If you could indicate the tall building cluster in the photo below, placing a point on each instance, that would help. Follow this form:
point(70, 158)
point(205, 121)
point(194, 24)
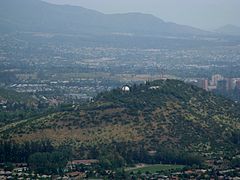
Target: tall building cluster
point(217, 83)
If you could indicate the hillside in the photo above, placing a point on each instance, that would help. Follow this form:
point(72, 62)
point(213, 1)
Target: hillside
point(161, 114)
point(39, 16)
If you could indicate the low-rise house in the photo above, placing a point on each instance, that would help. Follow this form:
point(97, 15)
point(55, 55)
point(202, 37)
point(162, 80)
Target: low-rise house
point(21, 165)
point(10, 177)
point(20, 169)
point(76, 175)
point(86, 162)
point(8, 173)
point(154, 87)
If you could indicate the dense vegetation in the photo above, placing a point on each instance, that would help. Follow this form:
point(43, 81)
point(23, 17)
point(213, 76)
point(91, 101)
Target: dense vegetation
point(44, 158)
point(19, 153)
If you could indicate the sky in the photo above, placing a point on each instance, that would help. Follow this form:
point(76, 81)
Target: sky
point(204, 14)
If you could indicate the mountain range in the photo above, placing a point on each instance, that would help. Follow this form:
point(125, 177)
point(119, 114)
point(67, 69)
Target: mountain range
point(39, 16)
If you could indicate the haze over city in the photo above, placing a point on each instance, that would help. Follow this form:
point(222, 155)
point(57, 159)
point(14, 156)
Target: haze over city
point(119, 89)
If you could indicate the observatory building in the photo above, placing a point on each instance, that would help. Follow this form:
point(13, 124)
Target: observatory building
point(125, 88)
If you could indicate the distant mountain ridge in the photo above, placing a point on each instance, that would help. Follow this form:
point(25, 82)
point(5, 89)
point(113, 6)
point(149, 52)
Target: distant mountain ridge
point(39, 16)
point(229, 30)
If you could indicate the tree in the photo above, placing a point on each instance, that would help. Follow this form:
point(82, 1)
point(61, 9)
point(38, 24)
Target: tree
point(39, 162)
point(112, 160)
point(235, 162)
point(48, 163)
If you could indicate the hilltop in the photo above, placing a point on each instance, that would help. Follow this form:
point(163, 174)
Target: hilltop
point(157, 115)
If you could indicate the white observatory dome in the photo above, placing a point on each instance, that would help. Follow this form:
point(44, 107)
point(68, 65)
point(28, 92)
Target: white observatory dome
point(126, 88)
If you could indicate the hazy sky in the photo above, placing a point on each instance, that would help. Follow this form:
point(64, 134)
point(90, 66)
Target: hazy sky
point(205, 14)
